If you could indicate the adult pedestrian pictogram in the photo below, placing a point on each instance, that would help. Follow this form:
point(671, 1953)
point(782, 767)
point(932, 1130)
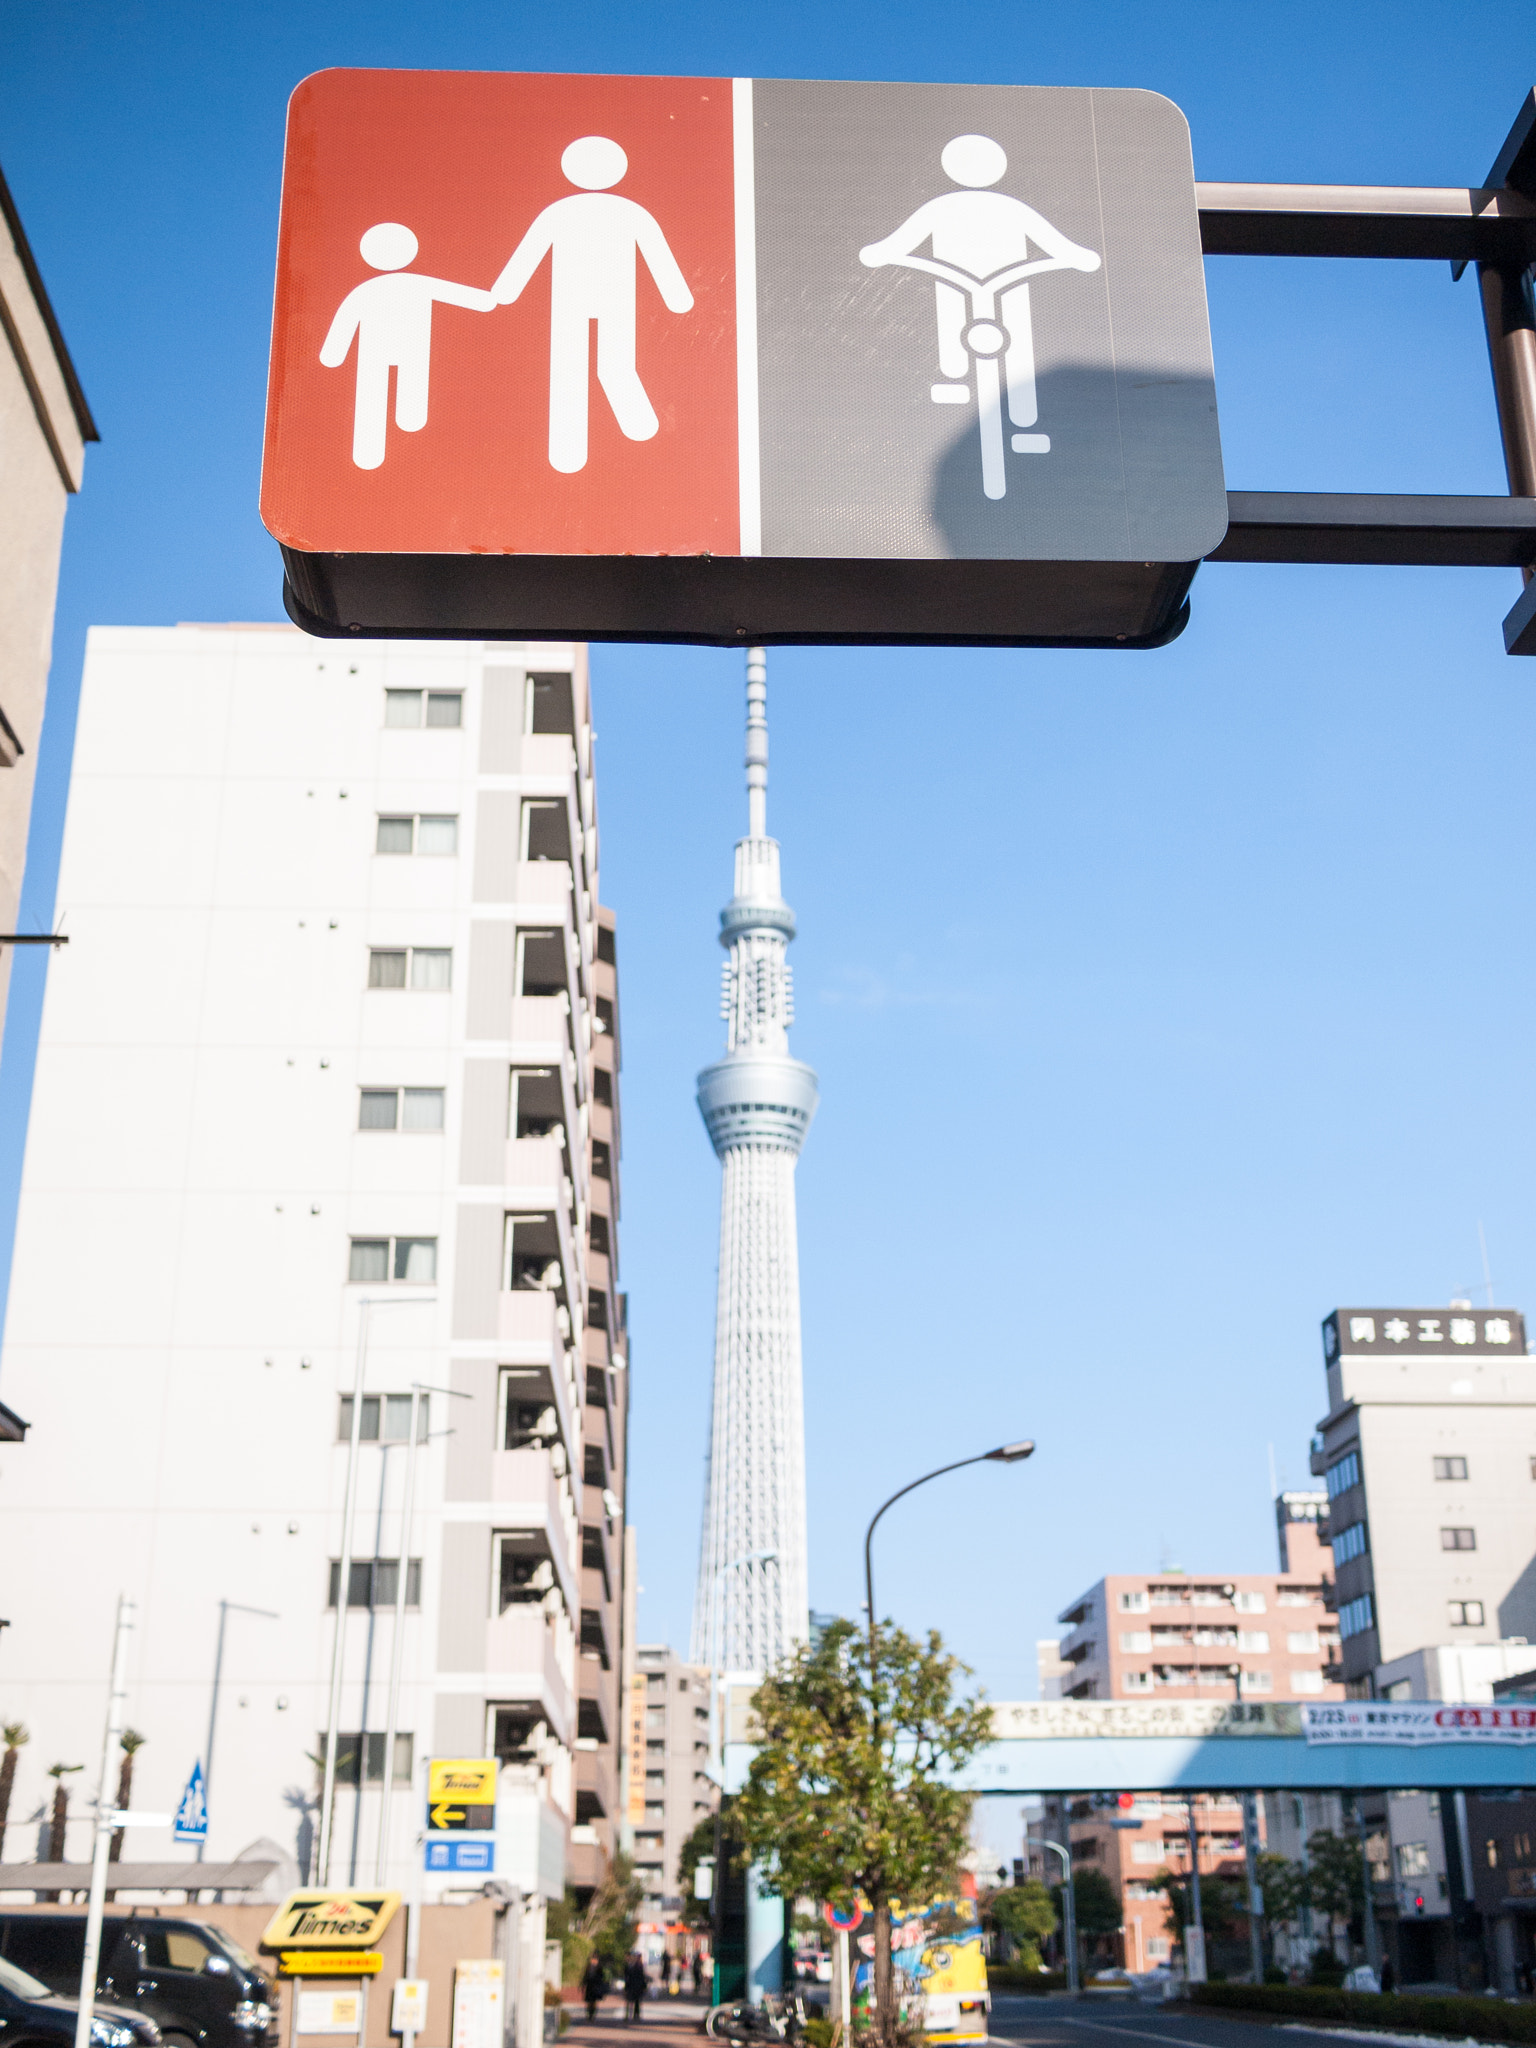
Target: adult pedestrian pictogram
point(980, 242)
point(595, 240)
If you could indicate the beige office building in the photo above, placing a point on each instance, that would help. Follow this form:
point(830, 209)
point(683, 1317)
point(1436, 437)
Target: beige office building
point(44, 426)
point(671, 1720)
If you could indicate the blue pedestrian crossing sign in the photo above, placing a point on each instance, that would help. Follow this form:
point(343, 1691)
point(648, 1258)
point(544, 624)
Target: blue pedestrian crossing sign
point(192, 1813)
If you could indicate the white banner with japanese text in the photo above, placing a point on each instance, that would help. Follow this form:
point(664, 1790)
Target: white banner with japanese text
point(1416, 1721)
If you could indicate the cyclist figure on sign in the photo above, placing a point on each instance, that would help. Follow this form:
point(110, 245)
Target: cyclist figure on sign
point(981, 242)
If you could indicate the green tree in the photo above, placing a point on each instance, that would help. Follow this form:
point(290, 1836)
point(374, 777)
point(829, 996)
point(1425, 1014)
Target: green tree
point(852, 1788)
point(1284, 1885)
point(1335, 1881)
point(1095, 1902)
point(1024, 1913)
point(1223, 1903)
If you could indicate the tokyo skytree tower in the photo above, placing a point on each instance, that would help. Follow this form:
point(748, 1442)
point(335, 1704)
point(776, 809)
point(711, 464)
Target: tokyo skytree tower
point(757, 1104)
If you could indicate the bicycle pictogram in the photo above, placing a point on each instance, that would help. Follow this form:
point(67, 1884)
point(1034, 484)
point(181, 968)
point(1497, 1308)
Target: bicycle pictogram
point(980, 242)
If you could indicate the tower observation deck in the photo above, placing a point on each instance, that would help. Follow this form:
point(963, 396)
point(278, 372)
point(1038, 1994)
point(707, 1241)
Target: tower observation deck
point(757, 1104)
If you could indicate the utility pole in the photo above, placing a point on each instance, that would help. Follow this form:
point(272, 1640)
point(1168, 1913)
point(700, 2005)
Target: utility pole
point(106, 1821)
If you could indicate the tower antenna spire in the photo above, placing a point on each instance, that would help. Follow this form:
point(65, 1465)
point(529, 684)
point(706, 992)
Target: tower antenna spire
point(757, 1104)
point(757, 743)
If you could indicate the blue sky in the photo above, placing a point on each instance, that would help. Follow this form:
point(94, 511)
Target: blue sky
point(1160, 1001)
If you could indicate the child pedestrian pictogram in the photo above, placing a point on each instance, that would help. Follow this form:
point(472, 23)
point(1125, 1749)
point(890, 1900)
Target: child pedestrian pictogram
point(391, 316)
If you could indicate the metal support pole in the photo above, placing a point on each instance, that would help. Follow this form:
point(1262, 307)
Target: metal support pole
point(1194, 1952)
point(397, 1644)
point(1511, 326)
point(117, 1694)
point(1255, 1893)
point(1068, 1908)
point(1368, 1909)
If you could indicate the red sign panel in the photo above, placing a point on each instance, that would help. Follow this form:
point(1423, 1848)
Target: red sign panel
point(544, 268)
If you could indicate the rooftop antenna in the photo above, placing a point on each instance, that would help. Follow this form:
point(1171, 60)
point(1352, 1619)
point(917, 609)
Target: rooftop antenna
point(1487, 1276)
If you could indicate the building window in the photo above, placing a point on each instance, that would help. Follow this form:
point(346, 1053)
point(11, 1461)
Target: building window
point(1133, 1639)
point(423, 832)
point(405, 708)
point(418, 967)
point(1131, 1603)
point(1450, 1468)
point(1413, 1859)
point(1458, 1539)
point(527, 1574)
point(1466, 1613)
point(602, 1160)
point(1342, 1475)
point(363, 1755)
point(1248, 1639)
point(412, 1260)
point(1298, 1596)
point(1302, 1642)
point(1350, 1542)
point(1248, 1603)
point(1257, 1681)
point(375, 1581)
point(1306, 1681)
point(383, 1109)
point(386, 1419)
point(1355, 1616)
point(1136, 1681)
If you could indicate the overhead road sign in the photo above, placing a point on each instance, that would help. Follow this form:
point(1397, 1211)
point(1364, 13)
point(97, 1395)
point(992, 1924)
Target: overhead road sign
point(737, 360)
point(872, 362)
point(1093, 1746)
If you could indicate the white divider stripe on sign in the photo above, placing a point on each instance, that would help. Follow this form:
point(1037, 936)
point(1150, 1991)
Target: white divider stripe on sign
point(748, 464)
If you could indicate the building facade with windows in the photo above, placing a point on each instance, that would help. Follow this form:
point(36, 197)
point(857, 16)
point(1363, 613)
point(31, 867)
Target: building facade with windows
point(1428, 1454)
point(1178, 1636)
point(671, 1757)
point(327, 1097)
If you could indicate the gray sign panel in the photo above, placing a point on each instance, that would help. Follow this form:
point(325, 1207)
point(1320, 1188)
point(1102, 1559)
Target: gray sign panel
point(874, 375)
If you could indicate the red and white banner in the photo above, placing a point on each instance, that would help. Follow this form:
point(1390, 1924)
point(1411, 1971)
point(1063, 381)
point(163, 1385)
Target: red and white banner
point(1417, 1721)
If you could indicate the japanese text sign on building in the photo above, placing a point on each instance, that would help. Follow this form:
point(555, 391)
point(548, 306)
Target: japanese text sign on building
point(1424, 1332)
point(644, 356)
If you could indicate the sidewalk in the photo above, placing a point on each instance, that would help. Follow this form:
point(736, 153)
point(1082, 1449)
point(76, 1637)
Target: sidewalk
point(673, 2021)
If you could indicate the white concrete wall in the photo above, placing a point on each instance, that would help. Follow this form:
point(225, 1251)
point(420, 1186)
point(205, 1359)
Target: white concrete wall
point(181, 1323)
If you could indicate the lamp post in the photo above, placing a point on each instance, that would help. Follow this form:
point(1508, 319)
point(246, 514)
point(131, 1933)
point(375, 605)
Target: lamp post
point(1005, 1454)
point(366, 1305)
point(1068, 1909)
point(1251, 1856)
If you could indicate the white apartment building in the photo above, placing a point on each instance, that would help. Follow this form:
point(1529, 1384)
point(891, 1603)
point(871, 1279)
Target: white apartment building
point(337, 1025)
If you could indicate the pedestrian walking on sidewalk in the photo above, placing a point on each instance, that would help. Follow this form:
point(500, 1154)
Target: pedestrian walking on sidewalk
point(636, 1985)
point(594, 1986)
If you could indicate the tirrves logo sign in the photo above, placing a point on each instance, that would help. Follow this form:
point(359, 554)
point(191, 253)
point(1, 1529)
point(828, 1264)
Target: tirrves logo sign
point(330, 1919)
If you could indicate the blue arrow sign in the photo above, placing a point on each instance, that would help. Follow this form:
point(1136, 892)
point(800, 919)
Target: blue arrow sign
point(192, 1814)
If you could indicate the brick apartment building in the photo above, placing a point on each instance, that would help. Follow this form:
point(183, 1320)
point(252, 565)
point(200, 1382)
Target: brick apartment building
point(1180, 1636)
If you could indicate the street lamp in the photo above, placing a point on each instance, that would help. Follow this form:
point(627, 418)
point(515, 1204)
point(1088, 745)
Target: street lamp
point(1005, 1454)
point(1068, 1911)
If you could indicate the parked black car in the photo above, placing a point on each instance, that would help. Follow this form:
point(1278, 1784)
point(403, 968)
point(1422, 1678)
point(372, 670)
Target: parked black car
point(32, 2017)
point(194, 1981)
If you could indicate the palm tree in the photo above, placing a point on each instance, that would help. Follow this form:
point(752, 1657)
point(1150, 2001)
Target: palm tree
point(60, 1817)
point(15, 1736)
point(130, 1742)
